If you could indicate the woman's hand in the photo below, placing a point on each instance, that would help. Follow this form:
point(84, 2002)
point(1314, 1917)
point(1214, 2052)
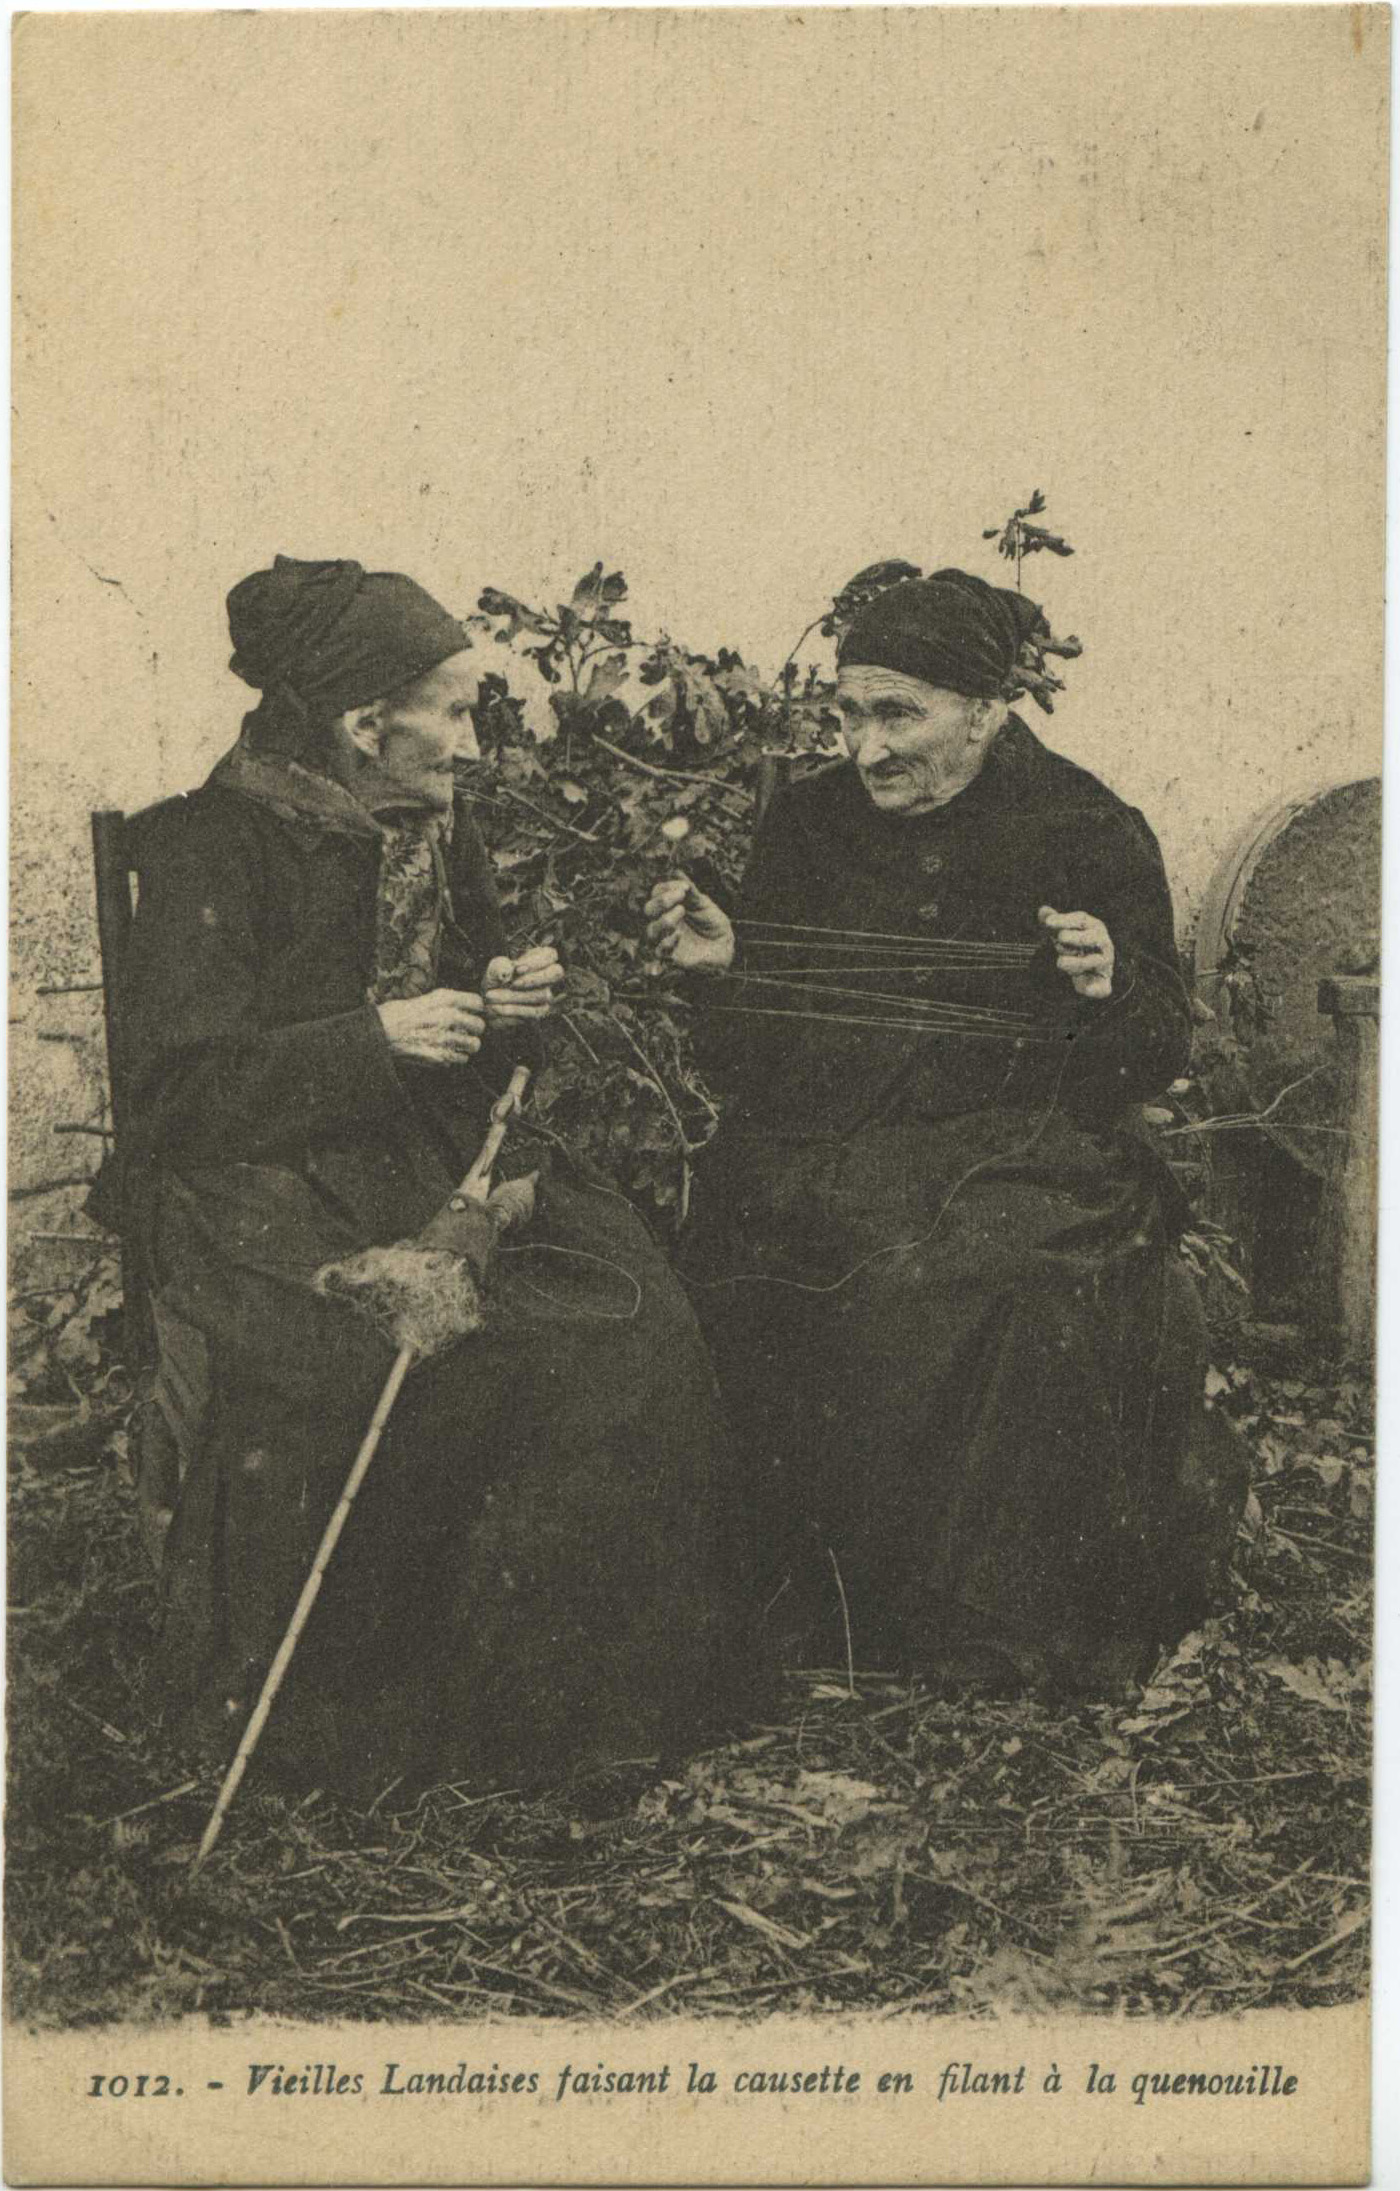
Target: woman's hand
point(684, 925)
point(523, 988)
point(1083, 950)
point(443, 1028)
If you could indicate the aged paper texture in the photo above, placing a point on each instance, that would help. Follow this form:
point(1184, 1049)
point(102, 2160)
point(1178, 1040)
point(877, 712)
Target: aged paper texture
point(716, 308)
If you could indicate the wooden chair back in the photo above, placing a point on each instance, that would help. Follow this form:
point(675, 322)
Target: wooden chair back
point(121, 843)
point(114, 872)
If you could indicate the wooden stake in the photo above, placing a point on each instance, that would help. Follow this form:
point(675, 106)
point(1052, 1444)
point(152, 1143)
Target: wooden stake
point(475, 1186)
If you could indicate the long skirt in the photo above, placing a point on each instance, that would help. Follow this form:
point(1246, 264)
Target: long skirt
point(541, 1571)
point(966, 1369)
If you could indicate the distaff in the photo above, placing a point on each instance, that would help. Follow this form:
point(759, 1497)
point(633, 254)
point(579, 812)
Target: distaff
point(466, 1228)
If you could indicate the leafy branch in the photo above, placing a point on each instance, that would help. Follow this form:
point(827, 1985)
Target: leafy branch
point(1018, 538)
point(644, 746)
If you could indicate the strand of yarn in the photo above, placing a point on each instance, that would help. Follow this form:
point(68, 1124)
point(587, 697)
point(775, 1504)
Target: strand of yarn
point(945, 1007)
point(895, 1247)
point(1022, 953)
point(909, 1026)
point(582, 1255)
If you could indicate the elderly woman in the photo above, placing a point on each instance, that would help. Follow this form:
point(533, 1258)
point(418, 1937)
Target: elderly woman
point(932, 1255)
point(320, 1014)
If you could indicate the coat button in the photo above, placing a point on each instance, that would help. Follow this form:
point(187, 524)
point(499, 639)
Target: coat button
point(932, 863)
point(930, 911)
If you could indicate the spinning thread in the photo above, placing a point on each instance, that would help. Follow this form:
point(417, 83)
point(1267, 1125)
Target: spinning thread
point(876, 951)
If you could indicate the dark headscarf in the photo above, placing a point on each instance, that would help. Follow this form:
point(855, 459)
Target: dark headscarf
point(317, 638)
point(952, 630)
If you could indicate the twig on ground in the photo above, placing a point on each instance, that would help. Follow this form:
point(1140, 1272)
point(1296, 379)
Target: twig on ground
point(186, 1787)
point(1349, 1925)
point(668, 1985)
point(1231, 1917)
point(1003, 1917)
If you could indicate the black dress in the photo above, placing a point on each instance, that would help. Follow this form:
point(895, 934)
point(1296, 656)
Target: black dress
point(938, 1271)
point(538, 1572)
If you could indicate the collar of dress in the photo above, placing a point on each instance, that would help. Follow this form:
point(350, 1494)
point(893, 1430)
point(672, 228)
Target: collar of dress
point(300, 794)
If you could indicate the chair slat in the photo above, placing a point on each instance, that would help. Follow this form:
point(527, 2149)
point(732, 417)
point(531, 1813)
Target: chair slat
point(113, 863)
point(111, 868)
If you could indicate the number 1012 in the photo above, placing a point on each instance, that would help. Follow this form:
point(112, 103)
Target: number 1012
point(144, 2086)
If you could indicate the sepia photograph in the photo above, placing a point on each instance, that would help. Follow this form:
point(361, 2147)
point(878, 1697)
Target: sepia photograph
point(694, 1069)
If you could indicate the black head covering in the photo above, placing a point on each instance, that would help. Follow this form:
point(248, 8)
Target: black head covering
point(317, 638)
point(951, 630)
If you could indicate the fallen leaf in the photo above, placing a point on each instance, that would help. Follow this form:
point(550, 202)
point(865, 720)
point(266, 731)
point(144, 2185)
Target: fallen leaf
point(836, 1795)
point(1324, 1465)
point(1305, 1681)
point(1142, 1726)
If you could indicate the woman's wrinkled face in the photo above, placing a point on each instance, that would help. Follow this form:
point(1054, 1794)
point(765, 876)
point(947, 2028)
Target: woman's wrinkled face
point(916, 745)
point(427, 725)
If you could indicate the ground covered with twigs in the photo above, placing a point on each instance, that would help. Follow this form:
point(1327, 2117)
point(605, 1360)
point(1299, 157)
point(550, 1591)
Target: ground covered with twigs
point(1203, 1849)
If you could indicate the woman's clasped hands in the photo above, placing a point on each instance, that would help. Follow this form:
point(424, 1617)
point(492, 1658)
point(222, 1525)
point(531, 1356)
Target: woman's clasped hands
point(448, 1026)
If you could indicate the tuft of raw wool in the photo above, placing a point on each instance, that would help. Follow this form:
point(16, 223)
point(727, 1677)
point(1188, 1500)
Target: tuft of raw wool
point(422, 1298)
